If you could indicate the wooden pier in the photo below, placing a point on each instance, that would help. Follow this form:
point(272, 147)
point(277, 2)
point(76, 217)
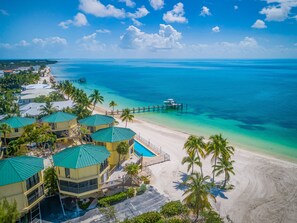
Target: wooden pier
point(80, 80)
point(154, 108)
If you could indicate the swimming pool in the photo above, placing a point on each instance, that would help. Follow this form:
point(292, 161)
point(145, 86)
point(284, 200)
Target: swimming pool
point(140, 150)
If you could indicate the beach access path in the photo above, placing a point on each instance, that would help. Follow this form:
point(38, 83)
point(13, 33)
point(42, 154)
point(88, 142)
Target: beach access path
point(265, 187)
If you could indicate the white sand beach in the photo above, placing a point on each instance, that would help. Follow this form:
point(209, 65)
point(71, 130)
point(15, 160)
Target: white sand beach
point(265, 187)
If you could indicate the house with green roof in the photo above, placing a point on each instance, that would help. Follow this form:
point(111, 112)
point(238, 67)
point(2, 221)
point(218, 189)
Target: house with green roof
point(111, 137)
point(17, 125)
point(95, 122)
point(62, 124)
point(81, 169)
point(22, 181)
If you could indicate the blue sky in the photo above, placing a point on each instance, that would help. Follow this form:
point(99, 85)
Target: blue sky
point(148, 29)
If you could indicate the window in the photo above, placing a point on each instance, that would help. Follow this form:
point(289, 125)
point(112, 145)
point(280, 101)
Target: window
point(78, 188)
point(131, 141)
point(67, 172)
point(16, 130)
point(32, 181)
point(52, 125)
point(35, 194)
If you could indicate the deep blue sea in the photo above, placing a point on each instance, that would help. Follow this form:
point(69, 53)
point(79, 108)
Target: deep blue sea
point(251, 102)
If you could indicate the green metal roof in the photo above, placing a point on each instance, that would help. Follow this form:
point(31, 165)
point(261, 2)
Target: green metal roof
point(18, 122)
point(96, 120)
point(81, 156)
point(113, 134)
point(58, 117)
point(18, 169)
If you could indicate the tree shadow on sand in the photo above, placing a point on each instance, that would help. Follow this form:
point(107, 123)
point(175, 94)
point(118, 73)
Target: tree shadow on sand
point(179, 185)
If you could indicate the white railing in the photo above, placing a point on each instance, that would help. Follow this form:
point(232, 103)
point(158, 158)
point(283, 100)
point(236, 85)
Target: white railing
point(161, 155)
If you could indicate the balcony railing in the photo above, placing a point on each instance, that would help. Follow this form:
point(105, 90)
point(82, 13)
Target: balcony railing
point(35, 195)
point(77, 190)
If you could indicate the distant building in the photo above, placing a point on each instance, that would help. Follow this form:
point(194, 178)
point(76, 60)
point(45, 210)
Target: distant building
point(28, 96)
point(1, 73)
point(81, 169)
point(34, 109)
point(22, 181)
point(8, 71)
point(35, 86)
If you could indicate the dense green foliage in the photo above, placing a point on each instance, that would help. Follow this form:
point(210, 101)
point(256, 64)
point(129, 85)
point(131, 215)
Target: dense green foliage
point(53, 96)
point(13, 64)
point(122, 149)
point(110, 200)
point(131, 192)
point(8, 212)
point(50, 181)
point(81, 99)
point(149, 217)
point(10, 85)
point(173, 208)
point(141, 189)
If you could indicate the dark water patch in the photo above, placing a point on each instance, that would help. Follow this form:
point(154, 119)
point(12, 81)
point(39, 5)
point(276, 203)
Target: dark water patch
point(252, 127)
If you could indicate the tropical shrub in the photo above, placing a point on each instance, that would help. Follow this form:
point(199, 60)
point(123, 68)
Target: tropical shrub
point(130, 192)
point(110, 200)
point(211, 216)
point(173, 208)
point(141, 189)
point(145, 179)
point(149, 217)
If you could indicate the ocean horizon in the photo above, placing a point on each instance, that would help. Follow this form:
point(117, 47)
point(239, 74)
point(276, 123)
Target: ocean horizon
point(251, 102)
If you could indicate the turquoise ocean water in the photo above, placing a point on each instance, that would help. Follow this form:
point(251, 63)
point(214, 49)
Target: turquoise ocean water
point(251, 102)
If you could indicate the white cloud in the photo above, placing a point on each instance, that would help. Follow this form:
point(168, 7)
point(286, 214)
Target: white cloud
point(259, 24)
point(4, 12)
point(295, 44)
point(235, 7)
point(136, 22)
point(248, 42)
point(166, 38)
point(279, 10)
point(129, 3)
point(103, 31)
point(216, 29)
point(157, 4)
point(78, 20)
point(205, 11)
point(90, 43)
point(50, 41)
point(22, 43)
point(97, 9)
point(176, 14)
point(140, 12)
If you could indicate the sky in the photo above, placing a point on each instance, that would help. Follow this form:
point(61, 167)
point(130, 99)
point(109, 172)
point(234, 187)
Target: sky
point(148, 29)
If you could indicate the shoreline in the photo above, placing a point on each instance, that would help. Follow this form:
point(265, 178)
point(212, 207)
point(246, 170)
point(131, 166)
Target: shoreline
point(262, 183)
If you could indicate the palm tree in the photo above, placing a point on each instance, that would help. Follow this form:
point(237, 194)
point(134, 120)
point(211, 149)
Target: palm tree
point(122, 149)
point(195, 144)
point(218, 147)
point(5, 129)
point(132, 169)
point(224, 166)
point(113, 104)
point(95, 98)
point(197, 193)
point(127, 116)
point(192, 160)
point(68, 88)
point(47, 109)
